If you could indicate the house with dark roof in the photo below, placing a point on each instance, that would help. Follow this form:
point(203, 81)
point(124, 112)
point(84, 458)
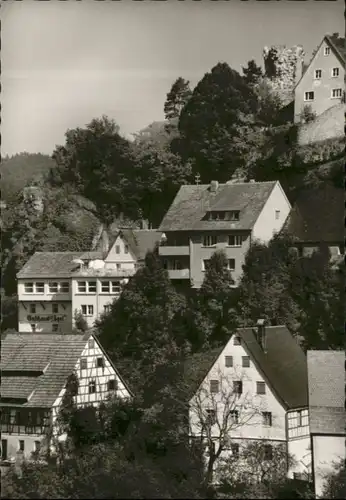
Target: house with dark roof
point(34, 371)
point(322, 84)
point(252, 390)
point(54, 286)
point(205, 218)
point(317, 219)
point(327, 384)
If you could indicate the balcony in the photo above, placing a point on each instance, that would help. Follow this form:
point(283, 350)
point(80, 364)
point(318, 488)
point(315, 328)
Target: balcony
point(179, 274)
point(167, 251)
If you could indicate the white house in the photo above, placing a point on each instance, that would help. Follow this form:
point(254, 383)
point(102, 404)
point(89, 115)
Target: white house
point(53, 286)
point(327, 383)
point(254, 389)
point(34, 372)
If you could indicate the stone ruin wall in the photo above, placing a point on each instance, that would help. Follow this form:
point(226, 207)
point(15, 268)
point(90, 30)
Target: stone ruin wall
point(283, 68)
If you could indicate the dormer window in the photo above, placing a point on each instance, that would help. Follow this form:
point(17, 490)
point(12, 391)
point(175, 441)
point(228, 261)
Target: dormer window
point(234, 215)
point(217, 215)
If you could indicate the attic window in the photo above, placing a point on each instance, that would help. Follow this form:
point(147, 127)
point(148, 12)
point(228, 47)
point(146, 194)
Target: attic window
point(335, 72)
point(318, 74)
point(237, 340)
point(217, 215)
point(126, 249)
point(234, 215)
point(326, 51)
point(214, 386)
point(117, 249)
point(112, 385)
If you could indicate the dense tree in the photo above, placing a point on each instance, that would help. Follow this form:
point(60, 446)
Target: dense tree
point(252, 73)
point(335, 482)
point(177, 98)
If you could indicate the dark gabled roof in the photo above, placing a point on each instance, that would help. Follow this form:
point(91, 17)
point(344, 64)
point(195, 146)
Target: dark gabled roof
point(317, 215)
point(54, 355)
point(326, 378)
point(282, 365)
point(192, 203)
point(338, 45)
point(141, 241)
point(50, 265)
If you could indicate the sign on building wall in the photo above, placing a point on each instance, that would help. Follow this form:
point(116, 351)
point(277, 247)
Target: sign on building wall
point(46, 317)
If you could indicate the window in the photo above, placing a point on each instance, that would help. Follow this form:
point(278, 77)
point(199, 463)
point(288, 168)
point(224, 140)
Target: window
point(214, 386)
point(32, 308)
point(28, 287)
point(228, 361)
point(234, 414)
point(246, 362)
point(21, 445)
point(112, 385)
point(261, 388)
point(234, 240)
point(126, 249)
point(205, 264)
point(33, 327)
point(117, 249)
point(209, 241)
point(105, 288)
point(37, 446)
point(237, 340)
point(118, 267)
point(81, 286)
point(235, 450)
point(106, 308)
point(267, 418)
point(277, 214)
point(326, 51)
point(91, 343)
point(299, 419)
point(116, 288)
point(210, 417)
point(83, 363)
point(39, 287)
point(87, 310)
point(55, 327)
point(100, 362)
point(55, 308)
point(336, 93)
point(92, 387)
point(234, 215)
point(53, 287)
point(90, 310)
point(231, 264)
point(309, 96)
point(335, 72)
point(92, 286)
point(238, 387)
point(65, 287)
point(268, 452)
point(4, 449)
point(318, 74)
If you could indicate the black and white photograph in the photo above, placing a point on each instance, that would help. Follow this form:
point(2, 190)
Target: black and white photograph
point(173, 244)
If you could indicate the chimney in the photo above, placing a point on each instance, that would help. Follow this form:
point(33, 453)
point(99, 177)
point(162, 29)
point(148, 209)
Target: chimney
point(261, 333)
point(214, 186)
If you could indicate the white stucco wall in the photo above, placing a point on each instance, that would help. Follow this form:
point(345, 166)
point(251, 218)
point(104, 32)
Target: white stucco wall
point(126, 260)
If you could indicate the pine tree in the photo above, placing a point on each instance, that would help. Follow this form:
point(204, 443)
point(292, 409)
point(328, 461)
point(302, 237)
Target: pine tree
point(176, 98)
point(252, 72)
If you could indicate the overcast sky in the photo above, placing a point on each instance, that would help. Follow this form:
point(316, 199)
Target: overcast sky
point(64, 63)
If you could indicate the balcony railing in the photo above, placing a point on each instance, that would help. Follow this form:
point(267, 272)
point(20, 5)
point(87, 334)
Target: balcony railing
point(179, 274)
point(169, 250)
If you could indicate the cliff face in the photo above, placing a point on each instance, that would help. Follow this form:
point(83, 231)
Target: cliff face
point(283, 68)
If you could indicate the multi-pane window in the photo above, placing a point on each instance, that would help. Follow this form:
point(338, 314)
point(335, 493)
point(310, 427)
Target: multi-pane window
point(92, 286)
point(100, 362)
point(234, 215)
point(228, 361)
point(318, 74)
point(28, 287)
point(21, 444)
point(299, 418)
point(81, 286)
point(91, 343)
point(210, 417)
point(53, 287)
point(64, 287)
point(335, 72)
point(105, 287)
point(87, 310)
point(231, 264)
point(32, 308)
point(238, 387)
point(246, 361)
point(336, 93)
point(268, 452)
point(235, 450)
point(55, 308)
point(214, 386)
point(261, 387)
point(267, 418)
point(33, 327)
point(106, 308)
point(209, 240)
point(234, 240)
point(217, 215)
point(236, 340)
point(234, 414)
point(92, 387)
point(83, 363)
point(326, 51)
point(309, 96)
point(55, 327)
point(112, 385)
point(39, 286)
point(116, 288)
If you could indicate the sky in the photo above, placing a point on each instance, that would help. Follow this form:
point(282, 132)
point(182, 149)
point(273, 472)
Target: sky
point(65, 63)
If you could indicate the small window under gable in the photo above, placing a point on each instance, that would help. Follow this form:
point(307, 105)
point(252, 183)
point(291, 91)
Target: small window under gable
point(326, 51)
point(117, 248)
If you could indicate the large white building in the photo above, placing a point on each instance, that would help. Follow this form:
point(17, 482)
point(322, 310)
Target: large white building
point(253, 389)
point(54, 286)
point(34, 371)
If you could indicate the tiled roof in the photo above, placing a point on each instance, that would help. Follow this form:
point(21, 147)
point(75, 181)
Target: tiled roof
point(326, 375)
point(338, 44)
point(282, 364)
point(193, 202)
point(141, 240)
point(50, 265)
point(318, 215)
point(57, 355)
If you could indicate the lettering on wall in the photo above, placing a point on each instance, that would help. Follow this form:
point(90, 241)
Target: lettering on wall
point(56, 318)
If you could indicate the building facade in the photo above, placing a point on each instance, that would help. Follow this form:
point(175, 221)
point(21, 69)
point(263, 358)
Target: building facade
point(229, 217)
point(322, 84)
point(248, 397)
point(54, 286)
point(35, 369)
